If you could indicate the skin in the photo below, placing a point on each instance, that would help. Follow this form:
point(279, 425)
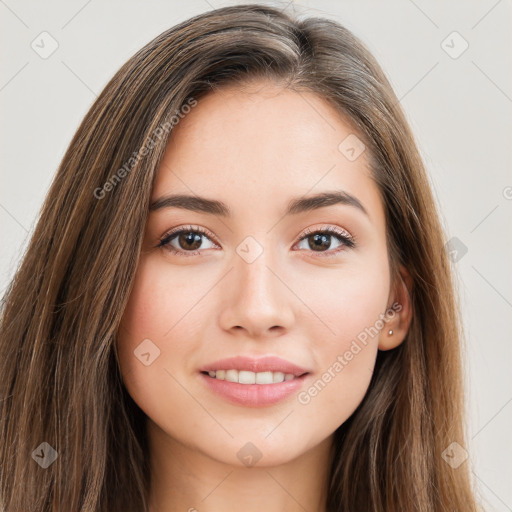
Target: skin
point(255, 148)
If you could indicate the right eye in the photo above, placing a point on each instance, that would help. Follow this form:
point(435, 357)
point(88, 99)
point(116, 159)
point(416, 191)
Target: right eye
point(188, 240)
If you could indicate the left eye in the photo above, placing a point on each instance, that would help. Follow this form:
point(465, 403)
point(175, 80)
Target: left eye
point(320, 239)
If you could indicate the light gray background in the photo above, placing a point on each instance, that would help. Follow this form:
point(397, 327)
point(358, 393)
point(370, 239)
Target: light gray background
point(459, 108)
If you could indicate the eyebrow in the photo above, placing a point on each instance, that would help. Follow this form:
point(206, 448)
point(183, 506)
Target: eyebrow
point(295, 206)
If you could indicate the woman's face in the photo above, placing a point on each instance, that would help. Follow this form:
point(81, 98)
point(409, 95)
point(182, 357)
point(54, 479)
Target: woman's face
point(256, 282)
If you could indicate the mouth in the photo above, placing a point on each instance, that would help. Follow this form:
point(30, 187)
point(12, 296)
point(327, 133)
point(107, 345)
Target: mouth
point(254, 382)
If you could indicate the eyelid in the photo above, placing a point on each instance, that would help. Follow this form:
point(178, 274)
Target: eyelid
point(328, 228)
point(169, 234)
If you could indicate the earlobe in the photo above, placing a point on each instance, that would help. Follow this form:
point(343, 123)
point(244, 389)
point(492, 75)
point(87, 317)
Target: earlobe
point(399, 313)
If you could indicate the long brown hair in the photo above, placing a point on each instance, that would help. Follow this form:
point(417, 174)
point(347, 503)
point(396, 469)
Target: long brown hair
point(59, 377)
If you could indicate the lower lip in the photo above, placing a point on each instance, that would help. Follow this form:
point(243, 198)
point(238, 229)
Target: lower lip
point(254, 395)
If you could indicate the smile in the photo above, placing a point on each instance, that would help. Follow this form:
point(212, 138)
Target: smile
point(247, 377)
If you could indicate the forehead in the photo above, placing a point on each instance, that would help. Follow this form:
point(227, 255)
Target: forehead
point(263, 145)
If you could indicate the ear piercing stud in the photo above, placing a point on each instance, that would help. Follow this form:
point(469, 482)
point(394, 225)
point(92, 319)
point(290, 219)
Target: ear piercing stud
point(390, 332)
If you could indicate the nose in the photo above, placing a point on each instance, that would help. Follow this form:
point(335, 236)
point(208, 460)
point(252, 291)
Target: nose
point(258, 301)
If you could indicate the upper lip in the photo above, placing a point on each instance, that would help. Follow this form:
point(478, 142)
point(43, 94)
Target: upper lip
point(262, 364)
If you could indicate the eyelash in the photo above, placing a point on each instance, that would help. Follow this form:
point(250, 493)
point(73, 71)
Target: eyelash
point(347, 240)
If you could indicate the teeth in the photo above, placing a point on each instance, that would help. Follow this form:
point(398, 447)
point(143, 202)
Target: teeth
point(231, 375)
point(245, 377)
point(280, 376)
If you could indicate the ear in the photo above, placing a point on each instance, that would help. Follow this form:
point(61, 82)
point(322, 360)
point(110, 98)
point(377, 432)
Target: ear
point(399, 312)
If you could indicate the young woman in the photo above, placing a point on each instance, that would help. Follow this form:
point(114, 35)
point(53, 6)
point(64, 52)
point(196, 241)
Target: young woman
point(236, 295)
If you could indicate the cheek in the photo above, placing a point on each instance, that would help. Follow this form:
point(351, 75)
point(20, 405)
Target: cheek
point(346, 301)
point(144, 316)
point(158, 305)
point(350, 308)
point(157, 314)
point(160, 325)
point(147, 322)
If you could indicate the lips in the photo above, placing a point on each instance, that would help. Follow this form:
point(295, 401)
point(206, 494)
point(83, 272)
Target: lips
point(262, 392)
point(263, 364)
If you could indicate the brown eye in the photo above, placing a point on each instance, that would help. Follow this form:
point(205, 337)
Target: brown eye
point(185, 241)
point(321, 241)
point(189, 240)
